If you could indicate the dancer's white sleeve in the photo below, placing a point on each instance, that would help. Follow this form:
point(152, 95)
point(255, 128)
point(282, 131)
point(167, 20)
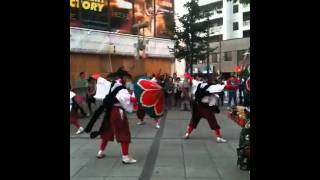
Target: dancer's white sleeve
point(103, 87)
point(72, 94)
point(124, 97)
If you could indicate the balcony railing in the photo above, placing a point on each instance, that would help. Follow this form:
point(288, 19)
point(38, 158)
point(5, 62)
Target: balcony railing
point(246, 23)
point(246, 7)
point(215, 30)
point(103, 42)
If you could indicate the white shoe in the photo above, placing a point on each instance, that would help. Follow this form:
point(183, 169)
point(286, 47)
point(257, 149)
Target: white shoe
point(80, 130)
point(100, 155)
point(187, 136)
point(141, 123)
point(158, 126)
point(128, 160)
point(221, 140)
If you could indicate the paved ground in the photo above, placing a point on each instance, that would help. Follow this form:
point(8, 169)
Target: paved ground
point(162, 154)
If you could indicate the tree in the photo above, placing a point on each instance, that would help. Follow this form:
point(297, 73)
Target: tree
point(241, 1)
point(188, 41)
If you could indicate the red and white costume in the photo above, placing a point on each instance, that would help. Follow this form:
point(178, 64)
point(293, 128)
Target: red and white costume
point(204, 108)
point(117, 124)
point(74, 105)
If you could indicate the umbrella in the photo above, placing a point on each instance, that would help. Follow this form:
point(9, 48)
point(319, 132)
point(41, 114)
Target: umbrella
point(150, 96)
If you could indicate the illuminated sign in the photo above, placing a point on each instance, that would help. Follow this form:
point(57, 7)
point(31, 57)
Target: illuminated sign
point(120, 15)
point(92, 5)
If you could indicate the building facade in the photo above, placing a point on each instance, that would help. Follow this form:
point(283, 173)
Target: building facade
point(103, 37)
point(229, 35)
point(94, 51)
point(229, 20)
point(234, 52)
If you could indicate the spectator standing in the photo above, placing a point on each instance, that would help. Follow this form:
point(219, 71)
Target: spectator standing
point(185, 95)
point(91, 91)
point(81, 91)
point(169, 87)
point(177, 92)
point(232, 93)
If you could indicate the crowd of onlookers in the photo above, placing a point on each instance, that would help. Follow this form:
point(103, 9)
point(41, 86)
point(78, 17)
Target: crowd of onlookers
point(177, 90)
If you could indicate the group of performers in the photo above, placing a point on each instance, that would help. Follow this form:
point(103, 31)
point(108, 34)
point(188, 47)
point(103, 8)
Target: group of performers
point(117, 100)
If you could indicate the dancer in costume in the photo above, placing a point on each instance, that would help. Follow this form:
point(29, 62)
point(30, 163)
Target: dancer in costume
point(115, 123)
point(141, 112)
point(205, 106)
point(74, 106)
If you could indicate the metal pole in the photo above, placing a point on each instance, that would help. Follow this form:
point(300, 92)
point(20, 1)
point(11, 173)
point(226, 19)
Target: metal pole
point(220, 55)
point(109, 16)
point(138, 55)
point(208, 28)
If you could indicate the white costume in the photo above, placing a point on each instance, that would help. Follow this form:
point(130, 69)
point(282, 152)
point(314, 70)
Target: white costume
point(213, 99)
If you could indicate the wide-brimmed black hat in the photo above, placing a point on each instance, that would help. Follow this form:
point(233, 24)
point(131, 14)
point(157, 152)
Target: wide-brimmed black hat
point(120, 73)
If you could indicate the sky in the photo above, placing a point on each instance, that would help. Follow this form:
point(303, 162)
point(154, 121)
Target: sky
point(180, 10)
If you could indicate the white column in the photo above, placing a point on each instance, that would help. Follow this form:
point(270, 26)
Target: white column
point(227, 28)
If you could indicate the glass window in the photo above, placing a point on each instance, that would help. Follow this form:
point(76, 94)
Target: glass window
point(228, 56)
point(235, 9)
point(235, 26)
point(214, 57)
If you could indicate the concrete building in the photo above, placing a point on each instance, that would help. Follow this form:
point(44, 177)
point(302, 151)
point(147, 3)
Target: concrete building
point(103, 37)
point(229, 20)
point(94, 51)
point(233, 52)
point(229, 33)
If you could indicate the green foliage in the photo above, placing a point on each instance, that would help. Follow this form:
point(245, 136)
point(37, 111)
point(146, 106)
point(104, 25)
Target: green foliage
point(189, 45)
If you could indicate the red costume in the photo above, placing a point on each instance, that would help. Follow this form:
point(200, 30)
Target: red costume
point(115, 122)
point(74, 106)
point(205, 106)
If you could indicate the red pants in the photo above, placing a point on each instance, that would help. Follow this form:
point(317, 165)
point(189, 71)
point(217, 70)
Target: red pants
point(201, 110)
point(117, 126)
point(74, 118)
point(141, 113)
point(124, 147)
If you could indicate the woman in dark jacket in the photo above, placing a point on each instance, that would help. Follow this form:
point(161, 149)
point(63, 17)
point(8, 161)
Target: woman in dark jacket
point(91, 91)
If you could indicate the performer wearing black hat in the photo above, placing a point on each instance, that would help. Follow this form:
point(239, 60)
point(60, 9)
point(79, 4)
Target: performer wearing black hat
point(205, 106)
point(115, 122)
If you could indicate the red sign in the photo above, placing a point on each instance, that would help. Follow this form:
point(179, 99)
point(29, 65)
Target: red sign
point(237, 69)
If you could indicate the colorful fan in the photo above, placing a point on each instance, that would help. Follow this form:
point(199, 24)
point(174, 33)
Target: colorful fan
point(150, 95)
